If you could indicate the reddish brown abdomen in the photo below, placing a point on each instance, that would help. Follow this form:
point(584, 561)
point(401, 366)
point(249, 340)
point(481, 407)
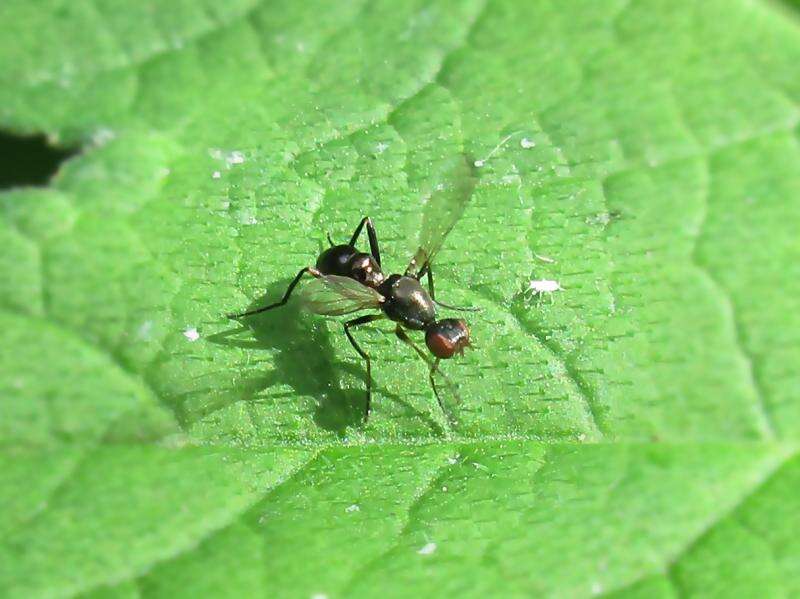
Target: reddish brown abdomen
point(447, 337)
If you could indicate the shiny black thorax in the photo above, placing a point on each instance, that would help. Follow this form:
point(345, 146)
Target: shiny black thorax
point(407, 302)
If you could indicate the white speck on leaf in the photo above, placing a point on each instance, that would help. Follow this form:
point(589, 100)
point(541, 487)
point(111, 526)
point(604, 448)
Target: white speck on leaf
point(602, 219)
point(235, 157)
point(427, 549)
point(319, 596)
point(561, 170)
point(216, 175)
point(504, 141)
point(527, 143)
point(102, 136)
point(381, 147)
point(544, 286)
point(597, 588)
point(544, 258)
point(352, 508)
point(191, 334)
point(145, 330)
point(247, 217)
point(510, 179)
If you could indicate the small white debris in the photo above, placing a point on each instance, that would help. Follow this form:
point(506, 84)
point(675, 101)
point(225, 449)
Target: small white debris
point(597, 588)
point(427, 549)
point(191, 334)
point(102, 136)
point(247, 217)
point(453, 460)
point(544, 286)
point(544, 258)
point(444, 489)
point(561, 170)
point(216, 175)
point(504, 141)
point(235, 157)
point(527, 143)
point(145, 330)
point(352, 508)
point(381, 147)
point(510, 179)
point(319, 596)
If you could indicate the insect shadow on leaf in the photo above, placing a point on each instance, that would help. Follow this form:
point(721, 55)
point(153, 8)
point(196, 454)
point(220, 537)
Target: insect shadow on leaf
point(304, 359)
point(345, 281)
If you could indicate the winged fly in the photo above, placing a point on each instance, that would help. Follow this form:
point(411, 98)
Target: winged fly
point(345, 280)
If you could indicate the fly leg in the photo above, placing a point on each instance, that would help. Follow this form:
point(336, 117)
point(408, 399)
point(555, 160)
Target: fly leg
point(426, 270)
point(371, 234)
point(353, 323)
point(308, 269)
point(434, 368)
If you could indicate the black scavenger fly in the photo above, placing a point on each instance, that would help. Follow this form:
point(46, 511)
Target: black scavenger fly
point(346, 281)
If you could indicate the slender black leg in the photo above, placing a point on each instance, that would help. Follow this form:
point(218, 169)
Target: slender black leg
point(432, 379)
point(330, 241)
point(353, 323)
point(308, 269)
point(434, 366)
point(373, 238)
point(426, 270)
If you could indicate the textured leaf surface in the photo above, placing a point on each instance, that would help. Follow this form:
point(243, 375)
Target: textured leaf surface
point(636, 436)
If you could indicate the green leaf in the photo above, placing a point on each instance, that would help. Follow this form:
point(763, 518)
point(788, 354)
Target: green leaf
point(634, 434)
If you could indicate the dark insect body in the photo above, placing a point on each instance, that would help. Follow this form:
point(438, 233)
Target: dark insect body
point(346, 281)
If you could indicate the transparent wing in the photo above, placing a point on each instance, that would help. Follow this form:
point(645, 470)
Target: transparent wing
point(332, 295)
point(447, 199)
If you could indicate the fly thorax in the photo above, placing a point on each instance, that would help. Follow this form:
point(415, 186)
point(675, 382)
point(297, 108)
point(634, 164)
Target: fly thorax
point(364, 269)
point(407, 302)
